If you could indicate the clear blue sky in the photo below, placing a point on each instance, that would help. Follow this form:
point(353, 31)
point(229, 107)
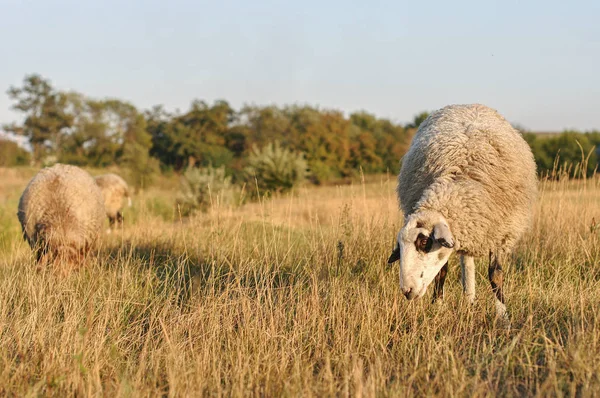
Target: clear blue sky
point(537, 62)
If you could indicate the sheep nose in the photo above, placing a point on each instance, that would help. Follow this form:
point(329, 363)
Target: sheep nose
point(408, 293)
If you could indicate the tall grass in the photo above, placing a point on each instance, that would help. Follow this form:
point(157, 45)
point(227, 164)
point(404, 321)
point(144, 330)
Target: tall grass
point(292, 296)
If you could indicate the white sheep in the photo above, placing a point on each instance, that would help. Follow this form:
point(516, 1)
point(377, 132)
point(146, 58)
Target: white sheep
point(467, 184)
point(114, 190)
point(61, 212)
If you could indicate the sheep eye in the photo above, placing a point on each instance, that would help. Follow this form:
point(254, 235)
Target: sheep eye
point(424, 243)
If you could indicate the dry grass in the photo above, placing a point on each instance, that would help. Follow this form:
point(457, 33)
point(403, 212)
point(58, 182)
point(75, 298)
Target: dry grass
point(293, 297)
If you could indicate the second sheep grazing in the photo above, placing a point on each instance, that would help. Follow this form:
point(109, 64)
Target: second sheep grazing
point(468, 185)
point(114, 190)
point(61, 214)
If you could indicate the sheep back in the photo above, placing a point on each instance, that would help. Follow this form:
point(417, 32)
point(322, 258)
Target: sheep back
point(114, 191)
point(61, 211)
point(471, 165)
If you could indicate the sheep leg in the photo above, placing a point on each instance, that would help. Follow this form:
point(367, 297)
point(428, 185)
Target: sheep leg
point(40, 255)
point(440, 278)
point(44, 256)
point(467, 268)
point(111, 223)
point(496, 280)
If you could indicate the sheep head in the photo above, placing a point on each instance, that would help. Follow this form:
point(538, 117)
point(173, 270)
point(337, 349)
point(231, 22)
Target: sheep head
point(423, 246)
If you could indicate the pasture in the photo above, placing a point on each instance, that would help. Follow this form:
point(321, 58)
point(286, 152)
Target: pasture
point(292, 296)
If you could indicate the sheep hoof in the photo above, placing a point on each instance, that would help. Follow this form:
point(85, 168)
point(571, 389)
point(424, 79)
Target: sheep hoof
point(470, 299)
point(503, 322)
point(502, 316)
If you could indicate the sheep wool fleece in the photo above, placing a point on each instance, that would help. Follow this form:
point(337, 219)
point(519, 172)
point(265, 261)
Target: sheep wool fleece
point(468, 163)
point(62, 208)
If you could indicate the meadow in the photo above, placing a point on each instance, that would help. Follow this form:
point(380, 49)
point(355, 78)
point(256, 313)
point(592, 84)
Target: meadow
point(292, 296)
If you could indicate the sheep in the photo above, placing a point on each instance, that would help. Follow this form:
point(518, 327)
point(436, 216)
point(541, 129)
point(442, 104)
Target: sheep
point(114, 190)
point(468, 183)
point(61, 214)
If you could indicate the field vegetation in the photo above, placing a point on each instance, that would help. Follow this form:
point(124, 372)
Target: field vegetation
point(291, 295)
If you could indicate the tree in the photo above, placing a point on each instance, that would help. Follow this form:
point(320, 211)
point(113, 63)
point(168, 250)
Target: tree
point(568, 149)
point(197, 137)
point(323, 137)
point(11, 154)
point(91, 140)
point(571, 147)
point(363, 154)
point(46, 119)
point(417, 120)
point(265, 125)
point(135, 152)
point(391, 142)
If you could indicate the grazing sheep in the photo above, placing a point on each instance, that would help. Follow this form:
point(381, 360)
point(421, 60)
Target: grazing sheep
point(61, 214)
point(467, 184)
point(114, 190)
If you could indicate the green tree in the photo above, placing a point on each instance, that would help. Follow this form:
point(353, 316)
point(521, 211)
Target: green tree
point(11, 154)
point(136, 152)
point(568, 149)
point(417, 120)
point(323, 137)
point(196, 137)
point(96, 135)
point(391, 142)
point(46, 119)
point(75, 142)
point(208, 126)
point(363, 152)
point(265, 125)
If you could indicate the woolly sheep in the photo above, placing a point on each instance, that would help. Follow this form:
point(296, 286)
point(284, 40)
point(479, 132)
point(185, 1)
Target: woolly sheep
point(467, 184)
point(61, 214)
point(114, 190)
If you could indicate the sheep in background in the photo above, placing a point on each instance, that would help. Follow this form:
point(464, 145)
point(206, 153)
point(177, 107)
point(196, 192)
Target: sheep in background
point(114, 190)
point(467, 184)
point(61, 212)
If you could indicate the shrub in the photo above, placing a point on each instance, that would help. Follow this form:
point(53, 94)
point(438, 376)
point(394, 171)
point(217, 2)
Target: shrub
point(276, 169)
point(570, 152)
point(200, 187)
point(143, 169)
point(11, 154)
point(321, 172)
point(135, 154)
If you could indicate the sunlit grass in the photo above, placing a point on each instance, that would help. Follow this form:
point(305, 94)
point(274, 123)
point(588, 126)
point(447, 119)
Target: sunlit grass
point(293, 296)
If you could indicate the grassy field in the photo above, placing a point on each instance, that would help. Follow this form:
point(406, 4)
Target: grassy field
point(292, 296)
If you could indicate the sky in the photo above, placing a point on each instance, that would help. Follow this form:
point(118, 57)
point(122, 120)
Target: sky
point(536, 62)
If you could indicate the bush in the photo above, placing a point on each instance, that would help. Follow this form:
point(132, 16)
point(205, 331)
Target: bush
point(11, 154)
point(572, 152)
point(143, 169)
point(200, 187)
point(275, 169)
point(135, 154)
point(321, 172)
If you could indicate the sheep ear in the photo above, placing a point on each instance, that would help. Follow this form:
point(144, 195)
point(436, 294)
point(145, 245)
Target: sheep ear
point(395, 256)
point(442, 234)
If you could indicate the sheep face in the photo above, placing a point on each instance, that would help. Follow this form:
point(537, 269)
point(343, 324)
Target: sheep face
point(423, 246)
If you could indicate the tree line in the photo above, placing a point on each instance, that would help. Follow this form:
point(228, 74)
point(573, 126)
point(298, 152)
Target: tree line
point(571, 152)
point(70, 127)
